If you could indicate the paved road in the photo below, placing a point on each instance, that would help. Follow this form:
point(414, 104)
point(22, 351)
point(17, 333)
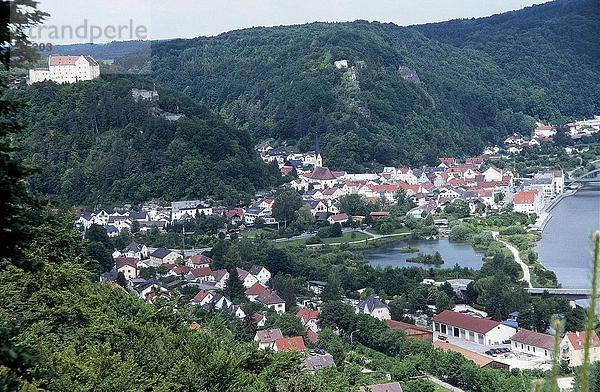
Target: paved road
point(526, 274)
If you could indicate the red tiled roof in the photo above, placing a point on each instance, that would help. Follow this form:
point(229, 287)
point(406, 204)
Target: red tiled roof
point(312, 335)
point(200, 259)
point(200, 272)
point(322, 173)
point(307, 314)
point(63, 60)
point(577, 339)
point(201, 295)
point(465, 321)
point(270, 298)
point(256, 289)
point(525, 197)
point(242, 273)
point(123, 261)
point(339, 217)
point(286, 344)
point(533, 338)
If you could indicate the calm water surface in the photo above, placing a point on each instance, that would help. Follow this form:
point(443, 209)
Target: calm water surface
point(452, 253)
point(566, 245)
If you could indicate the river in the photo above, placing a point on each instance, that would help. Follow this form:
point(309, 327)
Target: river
point(452, 252)
point(566, 245)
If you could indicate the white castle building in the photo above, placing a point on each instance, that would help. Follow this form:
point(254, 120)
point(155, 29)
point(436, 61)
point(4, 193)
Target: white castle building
point(66, 69)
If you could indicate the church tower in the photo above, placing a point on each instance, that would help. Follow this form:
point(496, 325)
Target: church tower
point(319, 159)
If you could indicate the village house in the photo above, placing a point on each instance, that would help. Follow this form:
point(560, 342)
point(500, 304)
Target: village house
point(260, 273)
point(528, 202)
point(338, 218)
point(198, 261)
point(572, 347)
point(374, 307)
point(309, 318)
point(163, 256)
point(138, 251)
point(317, 362)
point(533, 343)
point(472, 329)
point(220, 278)
point(127, 266)
point(295, 343)
point(266, 337)
point(246, 277)
point(254, 291)
point(273, 301)
point(200, 275)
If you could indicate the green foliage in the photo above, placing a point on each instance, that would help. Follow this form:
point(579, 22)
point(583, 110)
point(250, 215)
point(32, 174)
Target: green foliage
point(234, 289)
point(286, 204)
point(94, 144)
point(281, 82)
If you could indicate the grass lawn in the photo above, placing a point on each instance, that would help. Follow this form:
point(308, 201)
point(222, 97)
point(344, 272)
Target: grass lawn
point(346, 237)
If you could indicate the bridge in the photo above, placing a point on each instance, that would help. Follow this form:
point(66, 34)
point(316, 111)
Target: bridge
point(585, 178)
point(561, 292)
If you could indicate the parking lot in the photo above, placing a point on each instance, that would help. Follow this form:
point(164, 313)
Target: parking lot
point(513, 359)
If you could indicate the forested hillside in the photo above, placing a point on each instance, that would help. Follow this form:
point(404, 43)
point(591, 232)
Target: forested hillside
point(93, 143)
point(281, 82)
point(554, 48)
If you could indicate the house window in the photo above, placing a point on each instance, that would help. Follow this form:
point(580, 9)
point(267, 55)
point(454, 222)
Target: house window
point(480, 338)
point(437, 327)
point(533, 349)
point(472, 336)
point(456, 332)
point(444, 328)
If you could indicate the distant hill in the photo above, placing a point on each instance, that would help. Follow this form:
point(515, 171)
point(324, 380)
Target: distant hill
point(107, 51)
point(93, 144)
point(414, 93)
point(553, 48)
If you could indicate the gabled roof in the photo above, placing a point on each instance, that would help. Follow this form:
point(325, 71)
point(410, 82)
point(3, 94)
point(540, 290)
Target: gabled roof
point(200, 259)
point(307, 314)
point(256, 289)
point(465, 321)
point(317, 362)
point(290, 344)
point(62, 60)
point(339, 217)
point(268, 335)
point(255, 269)
point(371, 303)
point(133, 247)
point(532, 338)
point(160, 253)
point(201, 272)
point(577, 339)
point(242, 273)
point(199, 297)
point(123, 261)
point(321, 173)
point(219, 274)
point(270, 298)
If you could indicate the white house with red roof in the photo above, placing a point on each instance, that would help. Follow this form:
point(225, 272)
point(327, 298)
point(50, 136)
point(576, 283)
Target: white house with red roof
point(572, 346)
point(127, 266)
point(338, 218)
point(198, 261)
point(528, 202)
point(273, 301)
point(246, 277)
point(295, 343)
point(202, 297)
point(533, 343)
point(255, 290)
point(472, 329)
point(309, 319)
point(66, 69)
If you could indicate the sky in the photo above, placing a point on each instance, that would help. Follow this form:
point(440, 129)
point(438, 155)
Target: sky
point(77, 21)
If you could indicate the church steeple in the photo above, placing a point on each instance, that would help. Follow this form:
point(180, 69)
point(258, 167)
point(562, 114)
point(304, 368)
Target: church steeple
point(319, 159)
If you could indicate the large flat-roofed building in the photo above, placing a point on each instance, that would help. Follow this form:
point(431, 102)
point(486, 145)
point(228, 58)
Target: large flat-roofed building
point(66, 69)
point(472, 329)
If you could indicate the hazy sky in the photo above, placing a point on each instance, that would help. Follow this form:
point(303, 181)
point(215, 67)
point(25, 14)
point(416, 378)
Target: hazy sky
point(74, 21)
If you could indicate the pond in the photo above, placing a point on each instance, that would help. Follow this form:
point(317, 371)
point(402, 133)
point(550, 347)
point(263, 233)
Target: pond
point(452, 252)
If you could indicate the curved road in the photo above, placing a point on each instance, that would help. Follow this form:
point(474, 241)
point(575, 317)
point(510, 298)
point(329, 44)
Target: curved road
point(526, 275)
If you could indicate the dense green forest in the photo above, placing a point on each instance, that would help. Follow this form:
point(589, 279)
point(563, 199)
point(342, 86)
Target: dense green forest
point(281, 81)
point(93, 143)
